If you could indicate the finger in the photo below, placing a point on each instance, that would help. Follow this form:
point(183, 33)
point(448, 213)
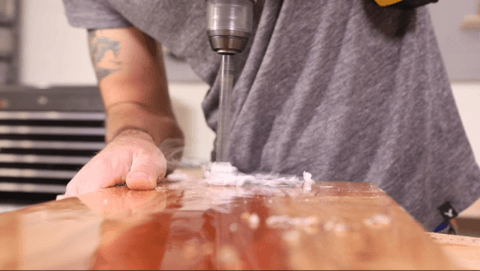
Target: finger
point(78, 186)
point(92, 177)
point(146, 169)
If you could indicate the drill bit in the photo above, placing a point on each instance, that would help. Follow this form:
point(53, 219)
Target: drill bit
point(223, 126)
point(229, 28)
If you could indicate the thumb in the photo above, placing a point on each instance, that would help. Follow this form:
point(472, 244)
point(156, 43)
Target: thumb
point(146, 169)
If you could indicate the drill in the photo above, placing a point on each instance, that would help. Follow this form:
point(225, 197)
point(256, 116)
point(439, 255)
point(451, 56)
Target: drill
point(229, 28)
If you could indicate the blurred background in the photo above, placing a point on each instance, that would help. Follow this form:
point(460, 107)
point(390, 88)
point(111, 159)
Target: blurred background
point(51, 115)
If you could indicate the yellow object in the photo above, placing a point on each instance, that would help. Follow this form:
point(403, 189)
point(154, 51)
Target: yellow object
point(384, 3)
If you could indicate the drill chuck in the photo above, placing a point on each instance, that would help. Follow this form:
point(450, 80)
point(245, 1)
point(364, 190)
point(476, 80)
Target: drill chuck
point(229, 28)
point(229, 25)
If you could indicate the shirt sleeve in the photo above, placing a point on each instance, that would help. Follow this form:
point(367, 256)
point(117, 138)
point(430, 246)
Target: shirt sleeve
point(93, 14)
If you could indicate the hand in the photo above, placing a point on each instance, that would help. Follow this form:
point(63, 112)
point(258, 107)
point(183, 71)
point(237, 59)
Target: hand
point(125, 204)
point(130, 158)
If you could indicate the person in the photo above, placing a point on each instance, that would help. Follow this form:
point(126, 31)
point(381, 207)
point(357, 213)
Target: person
point(346, 90)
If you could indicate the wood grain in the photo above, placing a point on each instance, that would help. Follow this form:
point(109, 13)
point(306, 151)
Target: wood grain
point(462, 250)
point(188, 224)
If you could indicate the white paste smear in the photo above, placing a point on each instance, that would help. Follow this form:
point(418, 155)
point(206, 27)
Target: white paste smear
point(286, 221)
point(307, 185)
point(253, 221)
point(225, 185)
point(224, 174)
point(378, 220)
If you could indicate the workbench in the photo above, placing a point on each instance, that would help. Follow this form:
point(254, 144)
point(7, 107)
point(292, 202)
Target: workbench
point(187, 224)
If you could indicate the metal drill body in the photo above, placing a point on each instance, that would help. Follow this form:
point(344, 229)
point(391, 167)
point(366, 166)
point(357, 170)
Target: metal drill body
point(229, 28)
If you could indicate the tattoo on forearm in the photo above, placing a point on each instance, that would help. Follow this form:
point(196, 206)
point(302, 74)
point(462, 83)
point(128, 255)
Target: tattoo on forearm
point(105, 54)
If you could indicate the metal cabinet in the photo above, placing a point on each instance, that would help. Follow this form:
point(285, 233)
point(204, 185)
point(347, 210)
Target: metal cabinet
point(46, 136)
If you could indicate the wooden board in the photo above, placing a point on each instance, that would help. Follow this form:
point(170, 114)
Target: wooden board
point(190, 225)
point(463, 250)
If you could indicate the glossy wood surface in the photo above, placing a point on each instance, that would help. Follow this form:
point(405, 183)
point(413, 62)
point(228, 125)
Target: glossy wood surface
point(188, 224)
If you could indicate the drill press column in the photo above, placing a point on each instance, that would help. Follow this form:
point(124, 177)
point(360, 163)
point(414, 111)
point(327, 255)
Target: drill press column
point(229, 27)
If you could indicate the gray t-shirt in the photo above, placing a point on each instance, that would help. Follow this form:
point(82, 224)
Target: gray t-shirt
point(345, 90)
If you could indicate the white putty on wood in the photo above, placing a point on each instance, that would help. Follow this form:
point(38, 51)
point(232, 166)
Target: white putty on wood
point(340, 228)
point(286, 221)
point(223, 185)
point(224, 174)
point(253, 221)
point(233, 227)
point(308, 182)
point(292, 237)
point(336, 225)
point(177, 176)
point(377, 220)
point(229, 258)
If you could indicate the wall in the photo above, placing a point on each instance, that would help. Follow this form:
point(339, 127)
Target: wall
point(467, 96)
point(460, 48)
point(55, 53)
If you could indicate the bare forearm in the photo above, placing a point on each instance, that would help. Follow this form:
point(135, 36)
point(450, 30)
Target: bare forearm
point(133, 83)
point(144, 139)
